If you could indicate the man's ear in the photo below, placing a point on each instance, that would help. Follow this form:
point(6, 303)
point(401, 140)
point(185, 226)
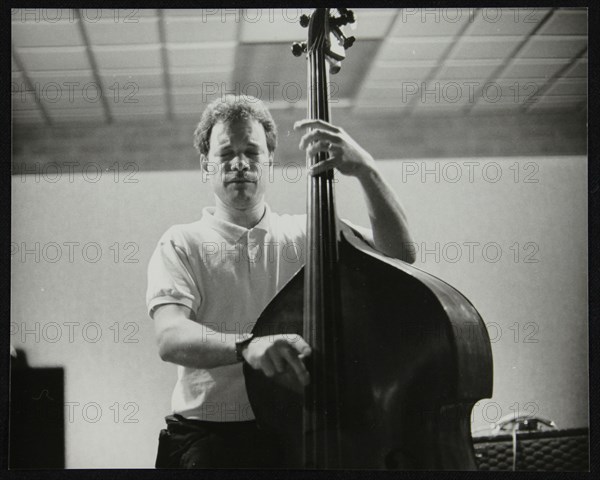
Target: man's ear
point(204, 163)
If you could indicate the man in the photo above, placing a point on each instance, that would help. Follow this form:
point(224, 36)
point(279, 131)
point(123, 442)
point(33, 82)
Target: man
point(208, 281)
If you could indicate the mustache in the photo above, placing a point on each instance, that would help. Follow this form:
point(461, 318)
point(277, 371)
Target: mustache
point(241, 178)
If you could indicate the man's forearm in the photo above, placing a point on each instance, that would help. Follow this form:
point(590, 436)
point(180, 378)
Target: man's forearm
point(388, 219)
point(191, 344)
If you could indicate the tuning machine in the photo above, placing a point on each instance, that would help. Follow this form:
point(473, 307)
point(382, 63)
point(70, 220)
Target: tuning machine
point(345, 17)
point(304, 20)
point(298, 48)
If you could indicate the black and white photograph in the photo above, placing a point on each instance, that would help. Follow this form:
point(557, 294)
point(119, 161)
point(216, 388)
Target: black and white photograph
point(307, 239)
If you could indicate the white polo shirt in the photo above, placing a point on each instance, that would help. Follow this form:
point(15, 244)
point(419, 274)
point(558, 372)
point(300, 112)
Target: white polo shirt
point(227, 275)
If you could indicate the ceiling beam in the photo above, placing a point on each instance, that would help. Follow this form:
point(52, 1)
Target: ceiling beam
point(30, 87)
point(237, 54)
point(164, 55)
point(544, 88)
point(444, 58)
point(94, 65)
point(369, 64)
point(508, 60)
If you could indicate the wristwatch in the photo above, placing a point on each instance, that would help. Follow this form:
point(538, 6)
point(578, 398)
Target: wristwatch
point(241, 343)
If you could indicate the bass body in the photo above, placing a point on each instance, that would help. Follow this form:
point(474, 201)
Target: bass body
point(415, 357)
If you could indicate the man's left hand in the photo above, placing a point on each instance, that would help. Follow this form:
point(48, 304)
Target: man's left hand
point(344, 153)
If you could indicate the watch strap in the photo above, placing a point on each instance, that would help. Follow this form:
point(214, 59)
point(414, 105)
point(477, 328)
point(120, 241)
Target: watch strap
point(240, 344)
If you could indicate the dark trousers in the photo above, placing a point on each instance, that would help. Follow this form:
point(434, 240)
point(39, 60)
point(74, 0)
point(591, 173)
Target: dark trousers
point(199, 444)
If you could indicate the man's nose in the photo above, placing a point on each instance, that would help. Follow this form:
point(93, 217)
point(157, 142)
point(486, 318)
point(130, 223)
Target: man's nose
point(240, 163)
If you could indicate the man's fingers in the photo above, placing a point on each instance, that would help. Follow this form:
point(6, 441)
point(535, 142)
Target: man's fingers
point(266, 365)
point(297, 365)
point(323, 166)
point(299, 345)
point(278, 362)
point(284, 352)
point(315, 135)
point(320, 146)
point(314, 123)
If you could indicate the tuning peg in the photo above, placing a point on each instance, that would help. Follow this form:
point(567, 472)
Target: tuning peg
point(346, 17)
point(298, 48)
point(346, 42)
point(304, 20)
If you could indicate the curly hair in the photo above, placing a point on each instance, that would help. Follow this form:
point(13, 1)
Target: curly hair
point(232, 108)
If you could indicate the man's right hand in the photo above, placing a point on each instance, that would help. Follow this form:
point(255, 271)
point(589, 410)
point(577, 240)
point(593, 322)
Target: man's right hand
point(277, 354)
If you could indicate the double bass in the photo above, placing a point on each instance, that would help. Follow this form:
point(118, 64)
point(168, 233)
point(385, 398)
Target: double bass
point(399, 357)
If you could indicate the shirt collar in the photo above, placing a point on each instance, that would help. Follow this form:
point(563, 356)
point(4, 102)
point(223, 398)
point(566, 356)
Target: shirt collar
point(231, 231)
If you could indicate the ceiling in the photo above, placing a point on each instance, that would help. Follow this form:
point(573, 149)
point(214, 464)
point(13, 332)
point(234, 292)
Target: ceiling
point(100, 66)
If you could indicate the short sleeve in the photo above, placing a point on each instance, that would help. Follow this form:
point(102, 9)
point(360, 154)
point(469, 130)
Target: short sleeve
point(170, 277)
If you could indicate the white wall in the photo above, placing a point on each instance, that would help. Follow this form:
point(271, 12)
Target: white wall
point(547, 299)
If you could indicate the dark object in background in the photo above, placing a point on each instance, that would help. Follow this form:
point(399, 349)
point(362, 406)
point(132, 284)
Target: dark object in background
point(36, 425)
point(546, 451)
